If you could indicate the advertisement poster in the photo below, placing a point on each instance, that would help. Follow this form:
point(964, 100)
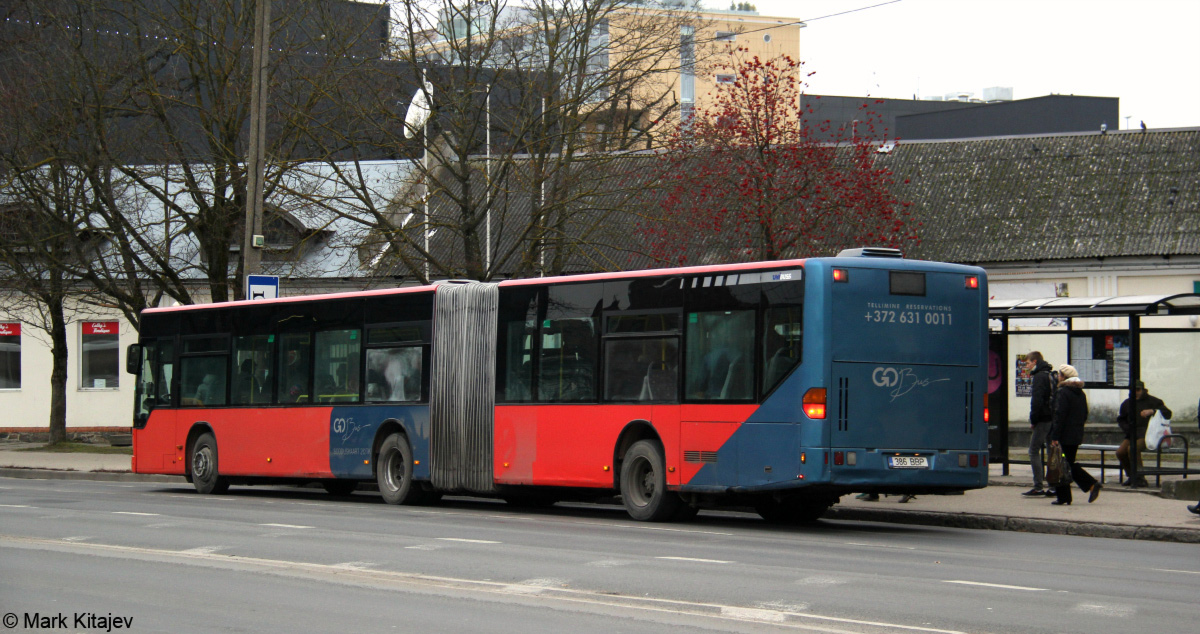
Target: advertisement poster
point(1024, 382)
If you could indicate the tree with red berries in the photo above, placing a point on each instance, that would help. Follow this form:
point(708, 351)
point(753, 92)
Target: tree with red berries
point(746, 178)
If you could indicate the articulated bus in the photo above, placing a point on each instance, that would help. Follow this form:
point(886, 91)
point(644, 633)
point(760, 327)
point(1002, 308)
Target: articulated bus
point(778, 386)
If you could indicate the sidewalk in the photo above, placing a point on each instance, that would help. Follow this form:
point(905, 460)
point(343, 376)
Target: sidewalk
point(1118, 512)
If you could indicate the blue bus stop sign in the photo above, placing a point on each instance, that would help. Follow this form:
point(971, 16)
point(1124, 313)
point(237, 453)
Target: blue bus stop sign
point(262, 286)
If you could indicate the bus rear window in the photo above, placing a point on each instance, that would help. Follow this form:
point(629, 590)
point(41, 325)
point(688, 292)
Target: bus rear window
point(907, 283)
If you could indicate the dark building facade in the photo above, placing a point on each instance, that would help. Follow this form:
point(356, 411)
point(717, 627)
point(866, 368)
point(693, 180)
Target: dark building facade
point(843, 118)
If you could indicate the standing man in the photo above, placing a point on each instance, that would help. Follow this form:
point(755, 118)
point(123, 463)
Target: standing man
point(1041, 414)
point(1140, 411)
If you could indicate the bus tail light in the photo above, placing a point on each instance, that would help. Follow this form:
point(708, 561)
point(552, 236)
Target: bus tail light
point(985, 409)
point(974, 460)
point(814, 403)
point(838, 458)
point(841, 275)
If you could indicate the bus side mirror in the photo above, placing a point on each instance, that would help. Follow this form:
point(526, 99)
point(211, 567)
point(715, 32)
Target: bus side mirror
point(133, 358)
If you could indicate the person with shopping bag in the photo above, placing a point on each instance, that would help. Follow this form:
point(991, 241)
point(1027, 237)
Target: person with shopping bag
point(1066, 434)
point(1134, 419)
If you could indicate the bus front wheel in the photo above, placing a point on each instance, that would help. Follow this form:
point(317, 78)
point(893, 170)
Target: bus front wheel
point(644, 484)
point(394, 473)
point(205, 475)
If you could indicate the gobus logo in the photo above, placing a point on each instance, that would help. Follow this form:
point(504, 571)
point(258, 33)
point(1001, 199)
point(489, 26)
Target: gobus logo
point(885, 377)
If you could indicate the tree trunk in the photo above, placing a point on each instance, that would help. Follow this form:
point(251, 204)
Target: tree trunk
point(58, 371)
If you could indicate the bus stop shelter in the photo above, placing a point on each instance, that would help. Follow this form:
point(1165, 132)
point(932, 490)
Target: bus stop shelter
point(1107, 358)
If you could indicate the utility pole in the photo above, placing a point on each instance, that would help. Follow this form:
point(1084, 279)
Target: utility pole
point(253, 239)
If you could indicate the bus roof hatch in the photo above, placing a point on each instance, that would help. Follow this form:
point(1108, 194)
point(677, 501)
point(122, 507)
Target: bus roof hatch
point(871, 252)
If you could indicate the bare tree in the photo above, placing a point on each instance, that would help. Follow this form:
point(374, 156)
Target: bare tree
point(529, 101)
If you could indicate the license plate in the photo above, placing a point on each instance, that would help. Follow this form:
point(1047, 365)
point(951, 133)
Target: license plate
point(908, 462)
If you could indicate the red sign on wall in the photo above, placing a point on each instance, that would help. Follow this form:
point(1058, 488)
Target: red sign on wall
point(10, 329)
point(100, 328)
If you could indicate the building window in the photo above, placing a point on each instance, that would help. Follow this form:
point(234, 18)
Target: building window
point(10, 356)
point(687, 64)
point(726, 36)
point(726, 79)
point(100, 366)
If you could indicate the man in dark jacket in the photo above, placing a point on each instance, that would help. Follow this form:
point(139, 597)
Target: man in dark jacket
point(1134, 418)
point(1066, 433)
point(1041, 413)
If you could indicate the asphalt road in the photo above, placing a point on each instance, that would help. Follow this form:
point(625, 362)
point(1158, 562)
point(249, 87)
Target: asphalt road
point(284, 559)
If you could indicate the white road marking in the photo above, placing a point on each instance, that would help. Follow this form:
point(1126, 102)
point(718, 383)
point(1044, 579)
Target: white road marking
point(202, 550)
point(467, 541)
point(425, 583)
point(1185, 572)
point(76, 539)
point(607, 563)
point(135, 513)
point(1120, 611)
point(285, 526)
point(753, 614)
point(535, 586)
point(992, 585)
point(881, 546)
point(355, 565)
point(423, 547)
point(703, 561)
point(821, 581)
point(670, 530)
point(16, 506)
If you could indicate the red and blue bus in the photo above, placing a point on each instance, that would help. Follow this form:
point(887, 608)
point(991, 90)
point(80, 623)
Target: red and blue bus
point(776, 385)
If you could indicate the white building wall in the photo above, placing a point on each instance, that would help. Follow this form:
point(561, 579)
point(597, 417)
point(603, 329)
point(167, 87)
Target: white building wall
point(87, 407)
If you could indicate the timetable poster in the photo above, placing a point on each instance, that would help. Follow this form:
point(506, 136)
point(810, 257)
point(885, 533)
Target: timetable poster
point(1024, 381)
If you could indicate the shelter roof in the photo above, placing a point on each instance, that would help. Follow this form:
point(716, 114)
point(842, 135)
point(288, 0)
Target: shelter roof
point(1129, 305)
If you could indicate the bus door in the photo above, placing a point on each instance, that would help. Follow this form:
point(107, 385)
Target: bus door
point(154, 416)
point(907, 355)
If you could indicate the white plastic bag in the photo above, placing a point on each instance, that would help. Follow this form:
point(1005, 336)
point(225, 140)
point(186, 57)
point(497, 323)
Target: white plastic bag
point(1157, 428)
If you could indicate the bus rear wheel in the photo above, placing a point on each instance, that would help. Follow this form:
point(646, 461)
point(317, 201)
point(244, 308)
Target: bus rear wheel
point(644, 484)
point(205, 475)
point(394, 473)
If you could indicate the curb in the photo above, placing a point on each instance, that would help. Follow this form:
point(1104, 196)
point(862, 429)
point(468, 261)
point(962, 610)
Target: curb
point(1017, 524)
point(101, 476)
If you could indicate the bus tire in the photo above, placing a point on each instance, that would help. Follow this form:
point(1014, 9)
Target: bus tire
point(394, 472)
point(644, 484)
point(339, 488)
point(205, 475)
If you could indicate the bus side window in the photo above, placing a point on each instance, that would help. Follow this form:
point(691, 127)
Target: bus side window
point(337, 353)
point(252, 360)
point(397, 355)
point(203, 380)
point(720, 355)
point(782, 339)
point(516, 344)
point(295, 363)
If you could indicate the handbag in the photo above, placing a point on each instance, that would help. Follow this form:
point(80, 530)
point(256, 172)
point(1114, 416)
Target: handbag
point(1058, 470)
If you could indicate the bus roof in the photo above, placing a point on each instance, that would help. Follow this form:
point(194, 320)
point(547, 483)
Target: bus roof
point(562, 279)
point(297, 298)
point(687, 270)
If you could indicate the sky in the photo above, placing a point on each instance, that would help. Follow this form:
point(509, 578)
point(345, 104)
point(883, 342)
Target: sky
point(1145, 52)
